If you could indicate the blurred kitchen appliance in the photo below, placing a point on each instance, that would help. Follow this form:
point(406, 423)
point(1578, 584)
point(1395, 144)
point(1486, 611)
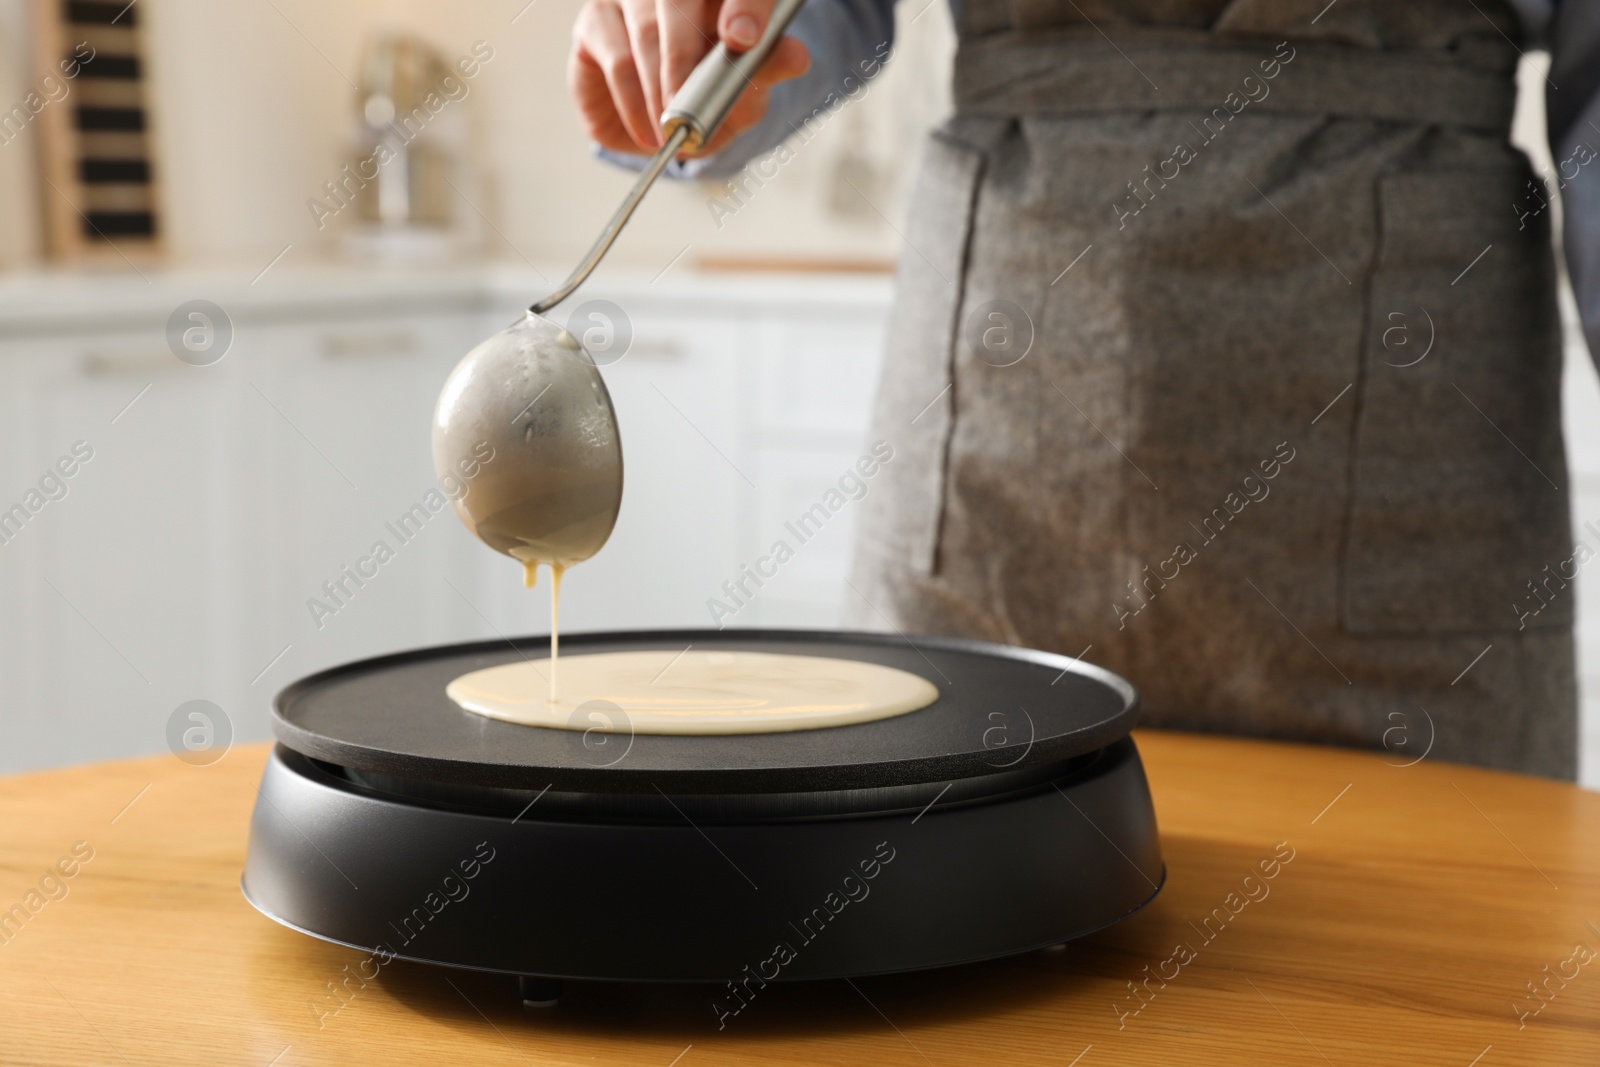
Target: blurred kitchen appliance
point(409, 150)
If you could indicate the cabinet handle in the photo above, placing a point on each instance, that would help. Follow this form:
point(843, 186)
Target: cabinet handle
point(137, 363)
point(657, 349)
point(368, 344)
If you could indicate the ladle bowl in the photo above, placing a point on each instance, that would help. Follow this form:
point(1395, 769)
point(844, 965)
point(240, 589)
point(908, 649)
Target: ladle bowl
point(525, 427)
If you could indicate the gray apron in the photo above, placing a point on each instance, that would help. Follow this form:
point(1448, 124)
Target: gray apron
point(1233, 365)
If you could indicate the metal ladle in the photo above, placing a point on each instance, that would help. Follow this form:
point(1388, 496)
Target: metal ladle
point(524, 435)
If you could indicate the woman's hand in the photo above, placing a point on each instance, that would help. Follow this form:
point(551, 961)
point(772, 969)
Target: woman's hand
point(630, 56)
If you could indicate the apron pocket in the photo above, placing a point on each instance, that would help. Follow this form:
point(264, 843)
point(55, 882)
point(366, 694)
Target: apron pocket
point(1458, 484)
point(915, 409)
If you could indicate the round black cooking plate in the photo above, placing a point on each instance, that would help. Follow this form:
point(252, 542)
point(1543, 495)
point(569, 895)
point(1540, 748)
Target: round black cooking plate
point(1000, 708)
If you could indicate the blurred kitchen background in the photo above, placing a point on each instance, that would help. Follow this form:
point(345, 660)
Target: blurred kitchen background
point(240, 459)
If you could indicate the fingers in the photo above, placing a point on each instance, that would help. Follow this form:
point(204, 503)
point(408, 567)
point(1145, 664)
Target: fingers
point(605, 80)
point(789, 59)
point(741, 22)
point(596, 111)
point(688, 33)
point(644, 36)
point(630, 56)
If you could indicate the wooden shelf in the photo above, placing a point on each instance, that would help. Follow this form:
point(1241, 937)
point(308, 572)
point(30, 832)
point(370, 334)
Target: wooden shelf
point(98, 179)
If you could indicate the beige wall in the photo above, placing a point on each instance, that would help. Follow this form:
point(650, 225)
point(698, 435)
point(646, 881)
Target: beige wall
point(252, 120)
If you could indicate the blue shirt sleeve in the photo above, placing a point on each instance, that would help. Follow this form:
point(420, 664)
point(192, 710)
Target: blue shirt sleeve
point(849, 41)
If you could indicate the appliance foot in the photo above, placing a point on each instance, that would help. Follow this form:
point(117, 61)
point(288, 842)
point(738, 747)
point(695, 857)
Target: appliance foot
point(538, 992)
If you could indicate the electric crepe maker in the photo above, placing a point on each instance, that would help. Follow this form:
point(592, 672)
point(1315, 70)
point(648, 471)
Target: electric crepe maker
point(1011, 814)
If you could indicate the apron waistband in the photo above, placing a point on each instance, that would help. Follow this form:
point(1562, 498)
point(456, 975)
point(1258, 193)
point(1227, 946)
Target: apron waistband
point(1084, 74)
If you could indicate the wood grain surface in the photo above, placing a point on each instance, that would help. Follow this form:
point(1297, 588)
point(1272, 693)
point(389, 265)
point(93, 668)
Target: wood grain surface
point(1419, 909)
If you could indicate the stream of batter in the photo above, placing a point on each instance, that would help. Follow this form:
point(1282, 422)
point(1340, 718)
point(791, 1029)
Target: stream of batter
point(530, 577)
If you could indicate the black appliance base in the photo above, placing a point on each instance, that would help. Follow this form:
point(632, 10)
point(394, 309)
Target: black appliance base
point(923, 884)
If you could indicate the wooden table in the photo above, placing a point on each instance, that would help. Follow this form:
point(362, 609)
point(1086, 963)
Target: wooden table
point(1419, 902)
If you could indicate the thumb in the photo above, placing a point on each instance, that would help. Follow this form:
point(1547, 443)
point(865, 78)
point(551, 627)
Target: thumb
point(742, 22)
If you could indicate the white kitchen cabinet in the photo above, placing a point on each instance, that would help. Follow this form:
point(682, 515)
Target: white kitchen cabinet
point(180, 562)
point(335, 418)
point(109, 592)
point(819, 377)
point(809, 589)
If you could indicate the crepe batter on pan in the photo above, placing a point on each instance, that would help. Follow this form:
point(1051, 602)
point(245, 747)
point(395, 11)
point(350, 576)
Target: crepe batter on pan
point(663, 691)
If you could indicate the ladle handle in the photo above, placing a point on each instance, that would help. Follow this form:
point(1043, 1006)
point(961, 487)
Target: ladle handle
point(711, 89)
point(690, 119)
